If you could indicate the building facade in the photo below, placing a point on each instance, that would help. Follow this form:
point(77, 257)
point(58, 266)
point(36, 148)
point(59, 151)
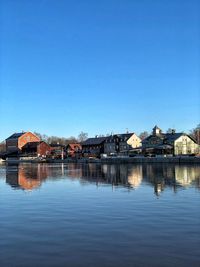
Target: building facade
point(38, 149)
point(169, 143)
point(58, 151)
point(73, 150)
point(16, 141)
point(121, 143)
point(93, 147)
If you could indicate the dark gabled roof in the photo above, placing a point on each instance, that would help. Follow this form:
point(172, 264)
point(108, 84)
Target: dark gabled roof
point(171, 137)
point(193, 139)
point(74, 145)
point(126, 135)
point(120, 136)
point(168, 137)
point(161, 136)
point(15, 135)
point(94, 141)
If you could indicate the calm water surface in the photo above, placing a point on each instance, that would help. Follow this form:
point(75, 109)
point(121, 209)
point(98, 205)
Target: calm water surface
point(99, 215)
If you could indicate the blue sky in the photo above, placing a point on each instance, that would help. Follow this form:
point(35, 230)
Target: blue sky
point(99, 66)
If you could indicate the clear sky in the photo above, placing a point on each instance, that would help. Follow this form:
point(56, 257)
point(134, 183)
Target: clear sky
point(99, 66)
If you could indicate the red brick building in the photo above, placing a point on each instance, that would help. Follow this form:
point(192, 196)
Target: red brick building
point(73, 150)
point(16, 141)
point(38, 149)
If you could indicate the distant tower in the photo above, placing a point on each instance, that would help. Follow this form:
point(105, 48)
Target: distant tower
point(157, 130)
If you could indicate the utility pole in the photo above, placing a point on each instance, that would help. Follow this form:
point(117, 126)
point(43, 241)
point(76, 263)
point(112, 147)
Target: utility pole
point(62, 153)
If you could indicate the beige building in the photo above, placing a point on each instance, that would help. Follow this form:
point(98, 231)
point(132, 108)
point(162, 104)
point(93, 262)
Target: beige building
point(185, 144)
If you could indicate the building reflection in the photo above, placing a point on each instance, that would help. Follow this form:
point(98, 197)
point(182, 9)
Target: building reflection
point(106, 174)
point(135, 176)
point(186, 175)
point(27, 177)
point(159, 176)
point(130, 176)
point(169, 175)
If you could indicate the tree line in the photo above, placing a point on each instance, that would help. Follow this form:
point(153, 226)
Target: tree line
point(62, 140)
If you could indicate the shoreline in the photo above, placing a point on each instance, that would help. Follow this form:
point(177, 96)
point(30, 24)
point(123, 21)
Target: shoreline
point(176, 160)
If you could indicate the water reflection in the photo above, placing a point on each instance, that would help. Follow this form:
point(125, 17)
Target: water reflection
point(27, 177)
point(174, 176)
point(31, 176)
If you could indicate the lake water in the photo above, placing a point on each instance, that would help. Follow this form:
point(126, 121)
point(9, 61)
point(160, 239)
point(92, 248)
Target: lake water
point(99, 215)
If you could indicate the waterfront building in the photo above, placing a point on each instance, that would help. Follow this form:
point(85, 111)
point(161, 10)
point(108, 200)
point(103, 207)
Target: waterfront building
point(115, 144)
point(38, 149)
point(58, 151)
point(169, 143)
point(73, 150)
point(16, 141)
point(93, 147)
point(121, 143)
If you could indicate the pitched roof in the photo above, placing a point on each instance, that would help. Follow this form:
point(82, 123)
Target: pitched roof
point(15, 135)
point(126, 135)
point(160, 136)
point(74, 145)
point(156, 127)
point(171, 137)
point(94, 141)
point(168, 137)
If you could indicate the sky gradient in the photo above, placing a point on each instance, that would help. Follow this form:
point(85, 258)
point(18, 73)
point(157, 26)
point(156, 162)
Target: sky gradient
point(99, 66)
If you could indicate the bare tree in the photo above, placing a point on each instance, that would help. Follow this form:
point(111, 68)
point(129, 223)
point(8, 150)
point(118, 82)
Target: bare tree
point(195, 133)
point(169, 130)
point(82, 136)
point(56, 139)
point(38, 135)
point(143, 135)
point(44, 137)
point(101, 135)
